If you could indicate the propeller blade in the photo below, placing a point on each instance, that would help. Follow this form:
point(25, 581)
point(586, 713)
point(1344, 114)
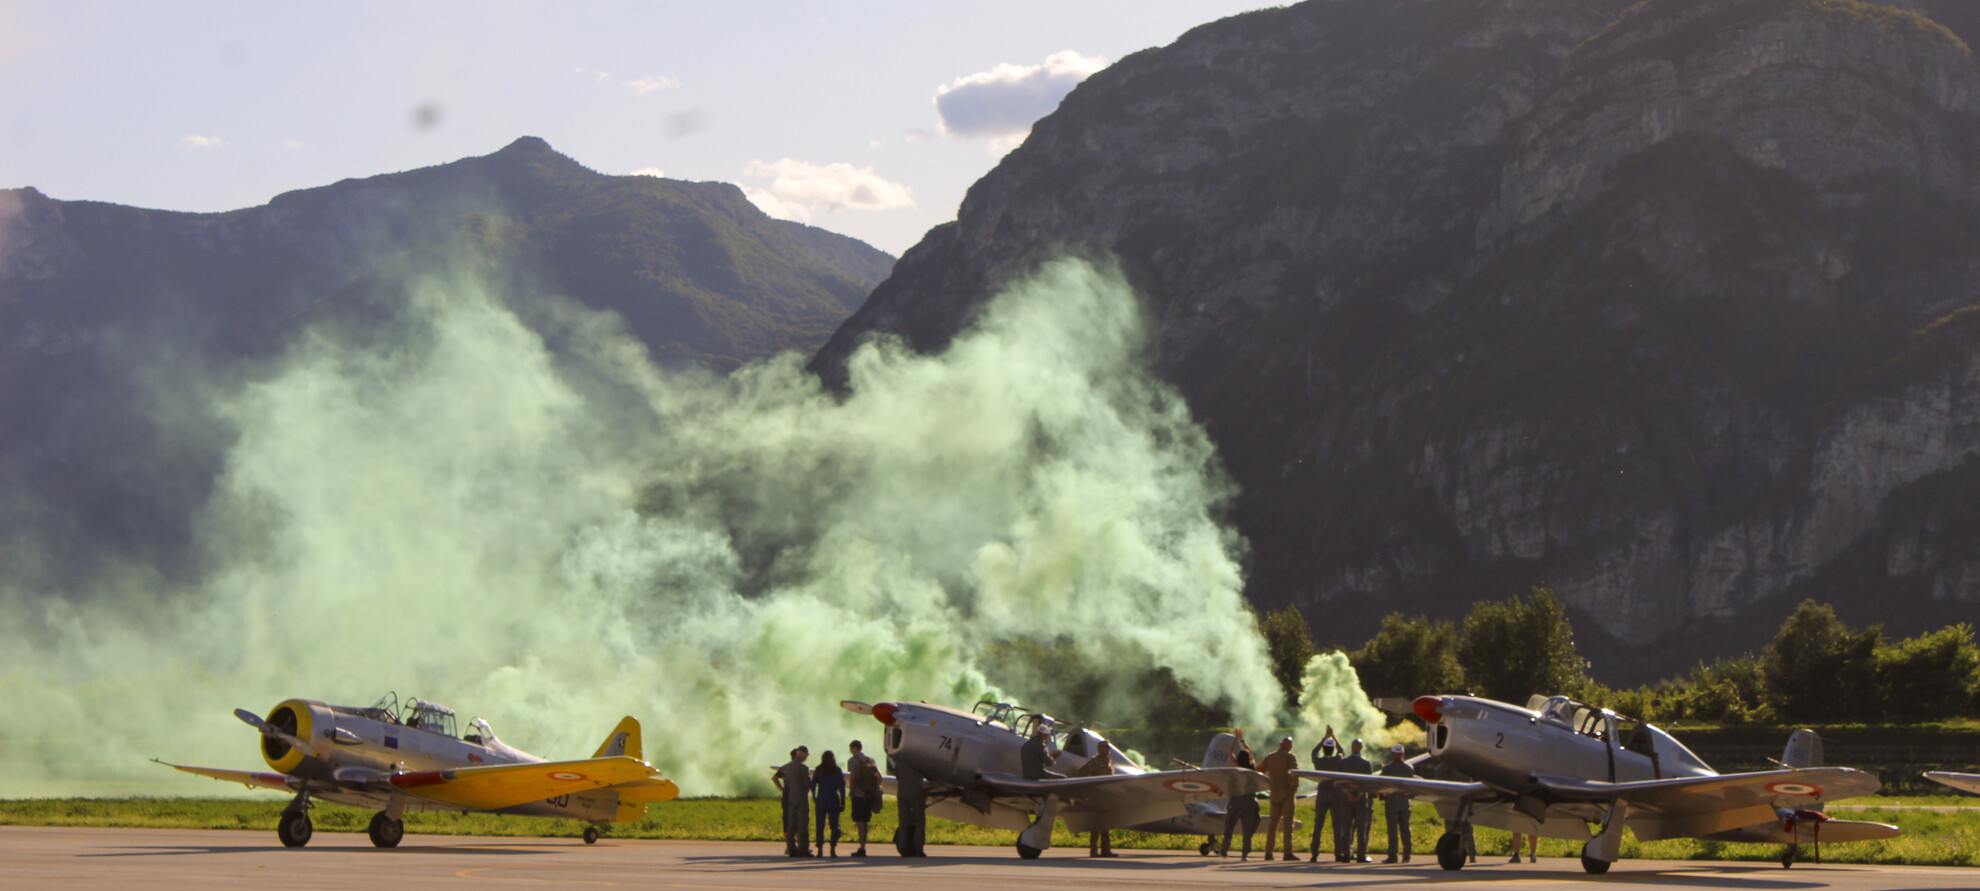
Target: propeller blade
point(249, 718)
point(857, 708)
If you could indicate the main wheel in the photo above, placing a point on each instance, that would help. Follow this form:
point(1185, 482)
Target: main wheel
point(1593, 865)
point(591, 835)
point(1028, 852)
point(385, 832)
point(1450, 851)
point(294, 828)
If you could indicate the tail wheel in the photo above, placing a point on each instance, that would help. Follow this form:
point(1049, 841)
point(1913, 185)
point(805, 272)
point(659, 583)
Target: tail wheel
point(591, 835)
point(386, 832)
point(1450, 851)
point(294, 829)
point(1204, 849)
point(1790, 855)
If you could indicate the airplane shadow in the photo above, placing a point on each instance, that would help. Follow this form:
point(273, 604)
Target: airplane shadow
point(409, 850)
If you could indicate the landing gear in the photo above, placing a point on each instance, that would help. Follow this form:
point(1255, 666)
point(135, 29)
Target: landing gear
point(386, 832)
point(1028, 852)
point(1594, 865)
point(1205, 848)
point(294, 828)
point(1450, 851)
point(1790, 855)
point(591, 835)
point(911, 797)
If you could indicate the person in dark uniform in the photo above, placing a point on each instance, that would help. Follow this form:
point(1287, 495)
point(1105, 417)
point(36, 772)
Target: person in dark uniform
point(865, 795)
point(1240, 811)
point(1361, 805)
point(1036, 756)
point(828, 794)
point(794, 780)
point(1327, 756)
point(1395, 805)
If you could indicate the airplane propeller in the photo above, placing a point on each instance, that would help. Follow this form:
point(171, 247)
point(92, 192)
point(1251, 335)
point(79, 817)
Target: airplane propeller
point(252, 720)
point(857, 708)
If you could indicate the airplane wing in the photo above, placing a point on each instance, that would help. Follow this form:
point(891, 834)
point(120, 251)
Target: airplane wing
point(506, 785)
point(1415, 787)
point(1715, 793)
point(1112, 802)
point(248, 778)
point(1965, 782)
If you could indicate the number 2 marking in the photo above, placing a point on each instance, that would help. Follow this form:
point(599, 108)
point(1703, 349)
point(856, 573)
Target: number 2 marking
point(1501, 743)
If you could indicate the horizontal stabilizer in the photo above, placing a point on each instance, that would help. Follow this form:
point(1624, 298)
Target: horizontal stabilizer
point(1965, 782)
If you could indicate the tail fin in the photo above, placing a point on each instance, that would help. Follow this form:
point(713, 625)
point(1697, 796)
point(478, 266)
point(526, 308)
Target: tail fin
point(623, 741)
point(1804, 749)
point(1219, 752)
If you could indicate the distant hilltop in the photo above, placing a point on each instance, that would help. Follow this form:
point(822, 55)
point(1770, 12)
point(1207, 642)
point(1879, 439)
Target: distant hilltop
point(108, 313)
point(1670, 305)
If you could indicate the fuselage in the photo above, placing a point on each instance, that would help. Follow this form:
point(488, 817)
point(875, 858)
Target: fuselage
point(365, 746)
point(1506, 745)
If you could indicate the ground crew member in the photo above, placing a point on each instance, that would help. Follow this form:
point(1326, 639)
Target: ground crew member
point(1240, 811)
point(794, 780)
point(1327, 756)
point(1360, 805)
point(1099, 842)
point(1395, 805)
point(1278, 768)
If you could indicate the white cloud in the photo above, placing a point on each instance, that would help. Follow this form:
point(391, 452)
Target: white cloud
point(593, 73)
point(649, 171)
point(202, 142)
point(650, 83)
point(1007, 99)
point(797, 190)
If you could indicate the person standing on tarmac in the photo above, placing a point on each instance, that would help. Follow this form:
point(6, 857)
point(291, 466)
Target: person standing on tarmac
point(1099, 842)
point(865, 795)
point(1327, 756)
point(828, 792)
point(1395, 805)
point(1361, 806)
point(1240, 811)
point(1278, 768)
point(794, 780)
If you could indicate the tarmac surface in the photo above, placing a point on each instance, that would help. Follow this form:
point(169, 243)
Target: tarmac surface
point(66, 857)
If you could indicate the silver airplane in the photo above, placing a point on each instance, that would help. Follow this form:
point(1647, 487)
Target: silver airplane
point(968, 767)
point(397, 758)
point(1561, 769)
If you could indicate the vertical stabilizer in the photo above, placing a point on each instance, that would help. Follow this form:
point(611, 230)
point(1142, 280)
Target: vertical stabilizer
point(1804, 749)
point(624, 740)
point(1219, 752)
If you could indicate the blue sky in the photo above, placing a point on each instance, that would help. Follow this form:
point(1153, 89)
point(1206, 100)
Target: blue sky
point(825, 112)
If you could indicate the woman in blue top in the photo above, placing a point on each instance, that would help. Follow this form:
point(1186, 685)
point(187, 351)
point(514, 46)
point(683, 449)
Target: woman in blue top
point(828, 790)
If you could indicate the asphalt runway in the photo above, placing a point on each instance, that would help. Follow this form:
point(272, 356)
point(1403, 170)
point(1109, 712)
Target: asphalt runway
point(50, 857)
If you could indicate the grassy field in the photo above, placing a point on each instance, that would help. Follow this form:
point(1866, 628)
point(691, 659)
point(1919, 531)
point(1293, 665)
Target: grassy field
point(1931, 838)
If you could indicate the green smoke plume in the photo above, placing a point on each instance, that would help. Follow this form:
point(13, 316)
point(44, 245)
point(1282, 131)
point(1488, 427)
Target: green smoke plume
point(554, 537)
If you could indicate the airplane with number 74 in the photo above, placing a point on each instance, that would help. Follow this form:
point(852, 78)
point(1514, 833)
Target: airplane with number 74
point(1561, 769)
point(969, 767)
point(397, 758)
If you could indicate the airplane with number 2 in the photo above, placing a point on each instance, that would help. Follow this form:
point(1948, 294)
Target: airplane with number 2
point(968, 767)
point(397, 758)
point(1560, 769)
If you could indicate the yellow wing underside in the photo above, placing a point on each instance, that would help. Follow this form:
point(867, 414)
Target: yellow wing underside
point(506, 785)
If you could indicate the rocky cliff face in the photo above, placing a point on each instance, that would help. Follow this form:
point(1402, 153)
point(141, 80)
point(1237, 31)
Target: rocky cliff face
point(1660, 303)
point(111, 316)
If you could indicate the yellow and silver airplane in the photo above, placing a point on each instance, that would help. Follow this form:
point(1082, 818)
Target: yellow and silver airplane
point(398, 758)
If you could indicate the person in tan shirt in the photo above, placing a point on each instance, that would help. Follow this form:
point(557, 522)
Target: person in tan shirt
point(1100, 842)
point(1278, 768)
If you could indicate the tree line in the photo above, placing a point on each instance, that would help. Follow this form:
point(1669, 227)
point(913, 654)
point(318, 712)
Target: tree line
point(1817, 670)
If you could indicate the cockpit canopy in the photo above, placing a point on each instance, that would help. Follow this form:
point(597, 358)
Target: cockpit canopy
point(416, 713)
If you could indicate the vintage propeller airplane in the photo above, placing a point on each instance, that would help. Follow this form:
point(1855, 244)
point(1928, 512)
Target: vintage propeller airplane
point(1561, 769)
point(968, 767)
point(398, 758)
point(1964, 782)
